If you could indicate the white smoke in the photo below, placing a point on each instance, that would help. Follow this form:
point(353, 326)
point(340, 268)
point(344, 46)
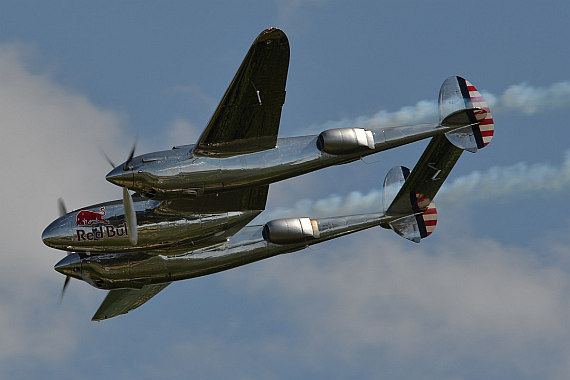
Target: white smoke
point(530, 99)
point(518, 180)
point(521, 179)
point(521, 97)
point(424, 111)
point(354, 203)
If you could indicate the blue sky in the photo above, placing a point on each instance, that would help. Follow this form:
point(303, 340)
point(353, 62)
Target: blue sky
point(486, 296)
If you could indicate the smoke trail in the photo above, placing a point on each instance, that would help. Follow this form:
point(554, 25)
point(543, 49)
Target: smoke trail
point(424, 111)
point(519, 180)
point(530, 100)
point(522, 98)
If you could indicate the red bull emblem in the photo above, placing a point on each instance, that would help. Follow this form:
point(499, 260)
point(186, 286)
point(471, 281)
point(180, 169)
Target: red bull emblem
point(87, 218)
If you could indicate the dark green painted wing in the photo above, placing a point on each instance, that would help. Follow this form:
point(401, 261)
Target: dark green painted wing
point(426, 177)
point(247, 119)
point(121, 301)
point(248, 199)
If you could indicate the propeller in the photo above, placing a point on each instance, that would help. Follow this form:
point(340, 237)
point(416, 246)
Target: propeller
point(130, 214)
point(62, 211)
point(67, 278)
point(61, 207)
point(127, 165)
point(108, 159)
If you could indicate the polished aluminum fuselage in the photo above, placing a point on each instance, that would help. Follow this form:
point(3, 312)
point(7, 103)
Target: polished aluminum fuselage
point(135, 270)
point(174, 244)
point(177, 172)
point(158, 232)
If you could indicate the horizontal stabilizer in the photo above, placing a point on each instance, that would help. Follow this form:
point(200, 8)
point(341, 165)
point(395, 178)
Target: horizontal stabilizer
point(461, 103)
point(418, 226)
point(461, 117)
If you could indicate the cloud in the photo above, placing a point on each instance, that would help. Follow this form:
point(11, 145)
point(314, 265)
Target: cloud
point(291, 11)
point(181, 132)
point(454, 307)
point(386, 300)
point(50, 149)
point(195, 93)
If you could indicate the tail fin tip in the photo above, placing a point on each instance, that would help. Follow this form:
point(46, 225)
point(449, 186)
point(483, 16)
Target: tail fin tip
point(460, 101)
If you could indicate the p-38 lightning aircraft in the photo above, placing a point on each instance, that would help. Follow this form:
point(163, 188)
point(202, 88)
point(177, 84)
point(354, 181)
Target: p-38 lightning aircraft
point(192, 204)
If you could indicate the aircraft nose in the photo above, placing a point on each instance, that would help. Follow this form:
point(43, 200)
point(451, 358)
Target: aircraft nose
point(69, 265)
point(121, 177)
point(56, 234)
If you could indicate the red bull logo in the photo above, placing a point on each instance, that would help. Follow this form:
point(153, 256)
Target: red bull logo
point(87, 218)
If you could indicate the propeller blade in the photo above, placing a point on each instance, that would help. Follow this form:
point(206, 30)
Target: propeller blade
point(127, 165)
point(108, 159)
point(67, 278)
point(61, 207)
point(130, 216)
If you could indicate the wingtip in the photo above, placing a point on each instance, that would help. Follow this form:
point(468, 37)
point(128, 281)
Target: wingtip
point(272, 34)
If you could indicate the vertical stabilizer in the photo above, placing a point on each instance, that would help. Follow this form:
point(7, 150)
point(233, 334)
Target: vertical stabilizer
point(461, 103)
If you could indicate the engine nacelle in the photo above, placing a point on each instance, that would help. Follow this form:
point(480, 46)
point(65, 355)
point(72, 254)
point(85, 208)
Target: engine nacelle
point(345, 140)
point(290, 230)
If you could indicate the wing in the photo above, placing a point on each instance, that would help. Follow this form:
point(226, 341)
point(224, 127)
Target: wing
point(121, 301)
point(247, 118)
point(253, 198)
point(426, 178)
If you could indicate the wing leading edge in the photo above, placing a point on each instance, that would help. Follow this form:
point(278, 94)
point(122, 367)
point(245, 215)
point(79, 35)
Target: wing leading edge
point(247, 118)
point(121, 301)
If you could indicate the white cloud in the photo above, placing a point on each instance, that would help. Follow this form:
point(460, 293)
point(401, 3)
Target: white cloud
point(291, 11)
point(465, 300)
point(50, 149)
point(182, 132)
point(196, 94)
point(379, 302)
